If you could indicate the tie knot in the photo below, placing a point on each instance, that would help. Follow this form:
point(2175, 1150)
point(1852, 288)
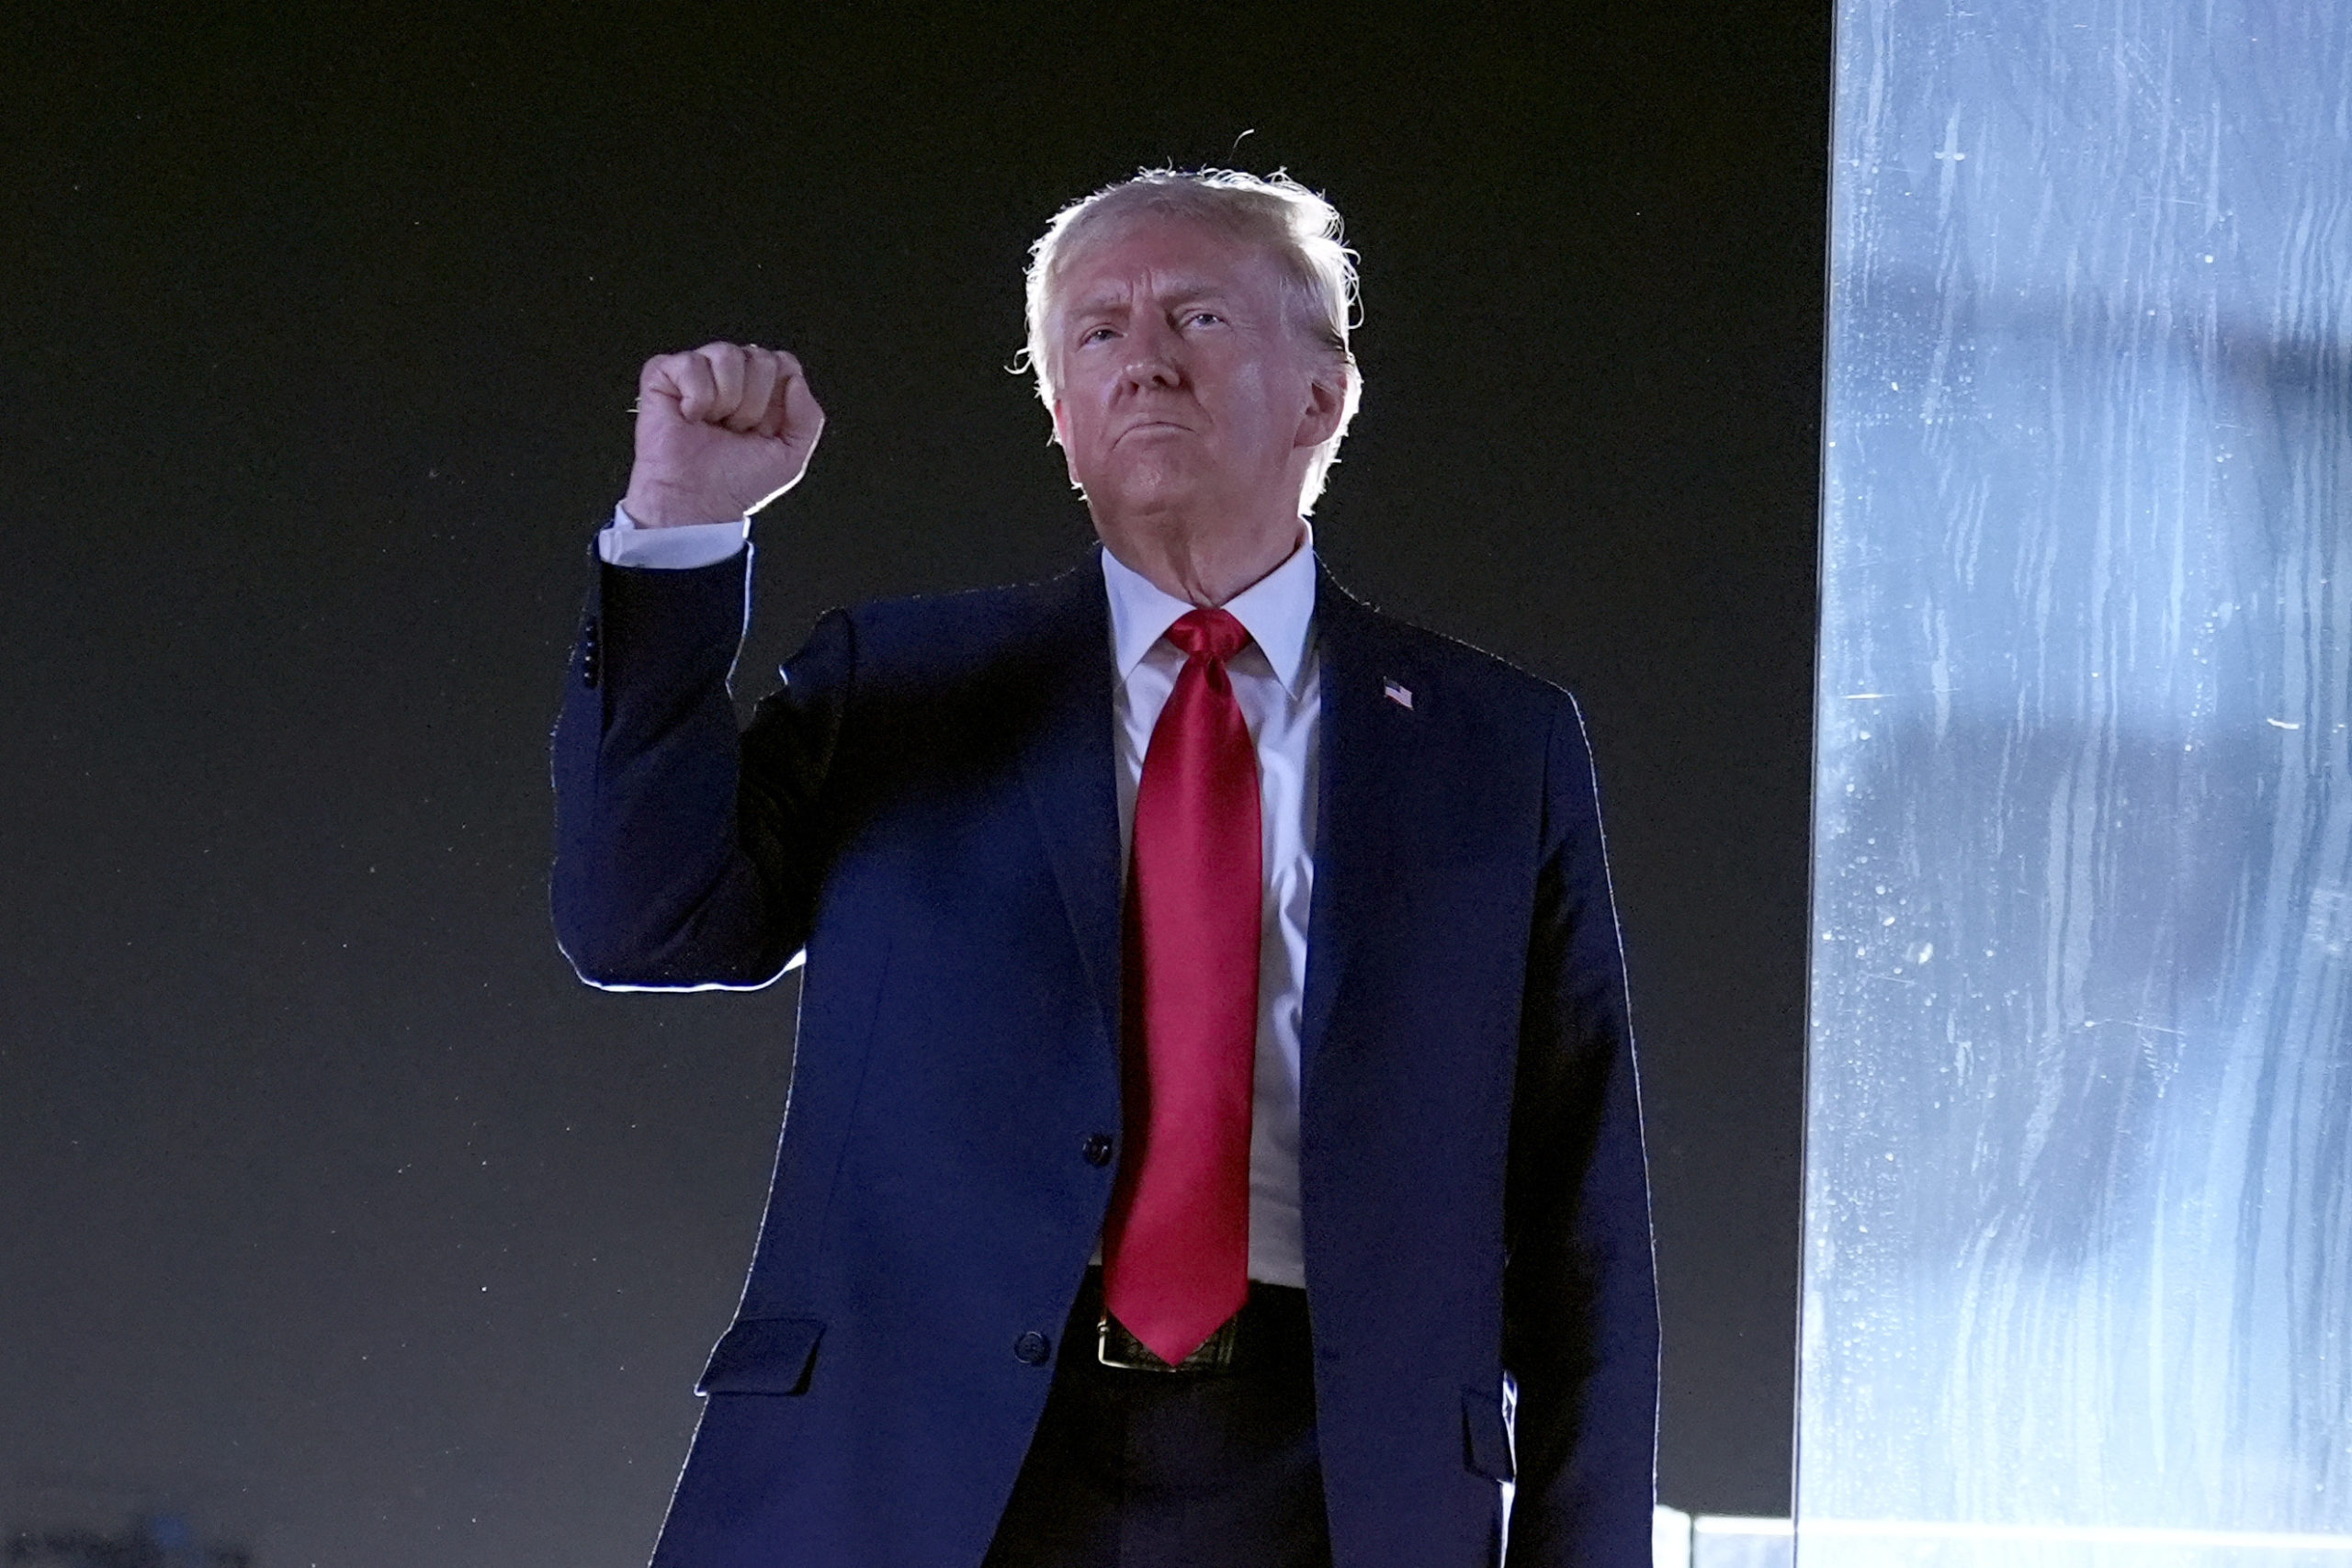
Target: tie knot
point(1208, 633)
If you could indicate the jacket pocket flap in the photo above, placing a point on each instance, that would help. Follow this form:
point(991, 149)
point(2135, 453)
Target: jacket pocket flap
point(1485, 1437)
point(763, 1355)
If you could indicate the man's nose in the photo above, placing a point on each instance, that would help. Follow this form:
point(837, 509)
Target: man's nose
point(1151, 357)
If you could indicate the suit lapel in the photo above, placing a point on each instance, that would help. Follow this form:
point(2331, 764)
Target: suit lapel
point(1071, 780)
point(1363, 741)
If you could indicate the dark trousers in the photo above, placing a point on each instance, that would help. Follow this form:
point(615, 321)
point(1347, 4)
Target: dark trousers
point(1175, 1470)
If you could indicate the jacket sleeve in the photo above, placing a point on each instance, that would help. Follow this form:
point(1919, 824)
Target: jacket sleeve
point(1580, 1309)
point(687, 855)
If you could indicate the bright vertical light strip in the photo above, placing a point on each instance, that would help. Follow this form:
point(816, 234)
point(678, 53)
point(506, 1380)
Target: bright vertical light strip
point(2078, 1265)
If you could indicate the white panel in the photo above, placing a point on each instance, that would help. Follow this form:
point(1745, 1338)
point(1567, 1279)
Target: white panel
point(1725, 1540)
point(1669, 1537)
point(2079, 1131)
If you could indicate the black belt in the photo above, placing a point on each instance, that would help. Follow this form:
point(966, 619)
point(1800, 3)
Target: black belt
point(1269, 1332)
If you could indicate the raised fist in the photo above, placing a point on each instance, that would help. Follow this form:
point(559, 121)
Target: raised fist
point(720, 432)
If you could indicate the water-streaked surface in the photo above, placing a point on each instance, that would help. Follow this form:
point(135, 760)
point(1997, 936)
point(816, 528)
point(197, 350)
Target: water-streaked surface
point(2079, 1185)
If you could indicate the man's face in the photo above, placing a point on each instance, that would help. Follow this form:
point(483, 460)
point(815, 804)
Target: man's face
point(1183, 388)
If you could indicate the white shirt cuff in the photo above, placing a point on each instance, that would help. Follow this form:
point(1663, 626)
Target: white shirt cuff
point(683, 548)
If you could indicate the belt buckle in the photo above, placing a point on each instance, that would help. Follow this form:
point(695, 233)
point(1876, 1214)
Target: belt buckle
point(1115, 1346)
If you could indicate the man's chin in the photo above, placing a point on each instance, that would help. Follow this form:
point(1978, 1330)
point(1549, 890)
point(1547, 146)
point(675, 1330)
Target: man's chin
point(1148, 488)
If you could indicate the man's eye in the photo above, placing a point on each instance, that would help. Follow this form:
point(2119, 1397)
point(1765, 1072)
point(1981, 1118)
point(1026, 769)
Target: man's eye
point(1209, 316)
point(1092, 333)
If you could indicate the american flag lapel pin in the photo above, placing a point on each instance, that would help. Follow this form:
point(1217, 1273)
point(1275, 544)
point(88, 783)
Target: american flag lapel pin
point(1397, 693)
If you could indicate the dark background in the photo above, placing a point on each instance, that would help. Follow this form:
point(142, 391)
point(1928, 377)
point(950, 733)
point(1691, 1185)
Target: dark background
point(331, 1207)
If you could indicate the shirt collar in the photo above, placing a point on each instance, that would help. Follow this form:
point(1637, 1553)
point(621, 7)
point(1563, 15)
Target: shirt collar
point(1276, 610)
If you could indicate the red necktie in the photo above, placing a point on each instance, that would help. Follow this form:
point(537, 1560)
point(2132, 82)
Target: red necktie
point(1176, 1253)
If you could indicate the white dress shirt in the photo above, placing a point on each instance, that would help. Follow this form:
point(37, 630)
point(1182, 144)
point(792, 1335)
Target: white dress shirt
point(1277, 682)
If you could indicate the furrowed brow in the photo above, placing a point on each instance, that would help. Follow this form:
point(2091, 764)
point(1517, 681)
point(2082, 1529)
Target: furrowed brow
point(1097, 304)
point(1202, 291)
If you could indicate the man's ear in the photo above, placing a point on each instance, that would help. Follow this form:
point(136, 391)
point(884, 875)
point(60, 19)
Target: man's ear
point(1327, 399)
point(1061, 440)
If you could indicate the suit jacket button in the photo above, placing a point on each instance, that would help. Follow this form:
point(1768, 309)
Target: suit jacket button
point(1032, 1349)
point(1098, 1149)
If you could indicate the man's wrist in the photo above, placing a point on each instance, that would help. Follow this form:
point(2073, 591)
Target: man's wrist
point(657, 506)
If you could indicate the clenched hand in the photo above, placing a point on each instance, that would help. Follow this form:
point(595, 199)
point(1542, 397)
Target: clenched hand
point(721, 431)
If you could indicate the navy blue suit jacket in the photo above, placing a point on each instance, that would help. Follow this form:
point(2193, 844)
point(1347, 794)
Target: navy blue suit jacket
point(927, 807)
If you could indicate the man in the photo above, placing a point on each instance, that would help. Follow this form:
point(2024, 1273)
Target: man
point(1212, 1137)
